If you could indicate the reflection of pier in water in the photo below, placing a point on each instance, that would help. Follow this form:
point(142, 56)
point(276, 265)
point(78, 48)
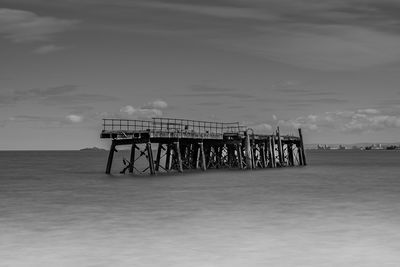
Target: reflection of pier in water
point(189, 144)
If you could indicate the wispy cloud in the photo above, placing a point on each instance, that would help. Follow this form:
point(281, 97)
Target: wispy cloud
point(57, 95)
point(215, 9)
point(210, 104)
point(324, 35)
point(16, 96)
point(25, 26)
point(44, 120)
point(208, 91)
point(46, 49)
point(77, 99)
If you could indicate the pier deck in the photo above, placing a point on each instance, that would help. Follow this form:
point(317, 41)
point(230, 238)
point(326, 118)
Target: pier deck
point(190, 144)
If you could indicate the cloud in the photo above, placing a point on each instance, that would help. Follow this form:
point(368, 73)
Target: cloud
point(157, 104)
point(37, 120)
point(215, 104)
point(347, 121)
point(262, 128)
point(331, 35)
point(46, 49)
point(57, 95)
point(77, 99)
point(369, 111)
point(218, 11)
point(141, 112)
point(209, 89)
point(74, 118)
point(44, 120)
point(25, 26)
point(150, 110)
point(200, 90)
point(16, 96)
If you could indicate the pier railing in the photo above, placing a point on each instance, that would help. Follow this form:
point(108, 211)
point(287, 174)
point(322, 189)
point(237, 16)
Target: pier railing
point(172, 126)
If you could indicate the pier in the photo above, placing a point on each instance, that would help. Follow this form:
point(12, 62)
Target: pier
point(176, 145)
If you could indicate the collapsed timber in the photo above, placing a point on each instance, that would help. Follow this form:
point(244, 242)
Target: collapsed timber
point(190, 144)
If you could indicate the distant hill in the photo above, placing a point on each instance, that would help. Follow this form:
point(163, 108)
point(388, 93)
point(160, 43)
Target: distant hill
point(358, 145)
point(92, 149)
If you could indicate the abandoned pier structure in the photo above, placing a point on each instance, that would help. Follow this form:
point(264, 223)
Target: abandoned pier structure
point(167, 144)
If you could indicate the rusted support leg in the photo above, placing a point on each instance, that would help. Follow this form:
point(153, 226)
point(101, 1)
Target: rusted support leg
point(110, 157)
point(202, 157)
point(150, 158)
point(219, 155)
point(159, 150)
point(299, 155)
point(239, 154)
point(290, 154)
point(284, 154)
point(178, 156)
point(263, 157)
point(303, 154)
point(168, 158)
point(254, 156)
point(132, 158)
point(268, 153)
point(195, 154)
point(280, 148)
point(249, 153)
point(273, 158)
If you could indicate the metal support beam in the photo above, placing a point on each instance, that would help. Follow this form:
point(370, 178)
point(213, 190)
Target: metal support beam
point(110, 157)
point(263, 157)
point(249, 158)
point(280, 148)
point(290, 154)
point(158, 159)
point(178, 156)
point(168, 158)
point(273, 158)
point(303, 154)
point(132, 158)
point(150, 158)
point(202, 157)
point(239, 154)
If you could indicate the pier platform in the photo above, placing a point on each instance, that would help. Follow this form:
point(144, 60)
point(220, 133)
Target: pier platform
point(170, 144)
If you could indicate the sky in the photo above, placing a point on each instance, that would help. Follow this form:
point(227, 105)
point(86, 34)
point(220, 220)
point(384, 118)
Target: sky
point(329, 67)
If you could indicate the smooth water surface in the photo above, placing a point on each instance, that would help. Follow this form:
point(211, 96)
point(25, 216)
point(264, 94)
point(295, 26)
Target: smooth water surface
point(60, 209)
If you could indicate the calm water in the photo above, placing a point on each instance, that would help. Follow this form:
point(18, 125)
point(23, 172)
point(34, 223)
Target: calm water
point(59, 209)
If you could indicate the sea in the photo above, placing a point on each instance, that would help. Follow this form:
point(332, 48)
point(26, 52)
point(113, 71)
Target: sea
point(59, 208)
